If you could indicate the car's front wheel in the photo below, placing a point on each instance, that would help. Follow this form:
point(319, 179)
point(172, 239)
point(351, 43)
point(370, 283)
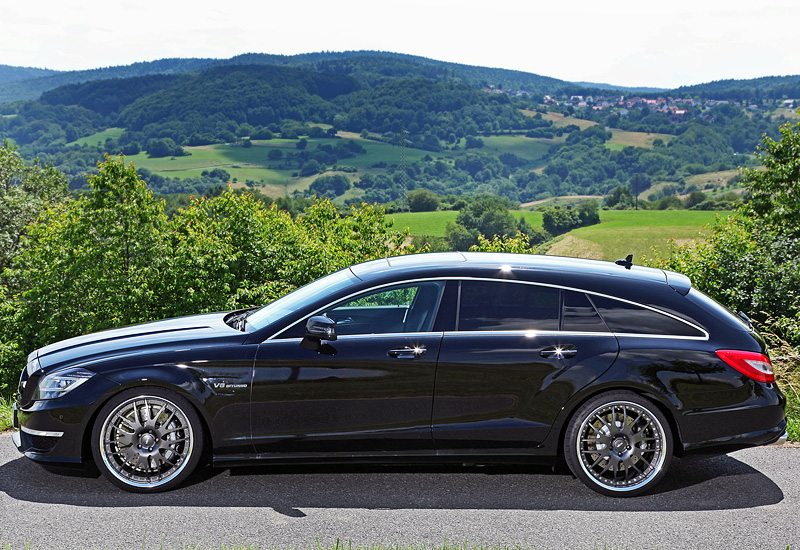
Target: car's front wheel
point(619, 444)
point(147, 440)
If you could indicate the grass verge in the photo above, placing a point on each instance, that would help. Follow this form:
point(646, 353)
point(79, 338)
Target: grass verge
point(6, 414)
point(786, 364)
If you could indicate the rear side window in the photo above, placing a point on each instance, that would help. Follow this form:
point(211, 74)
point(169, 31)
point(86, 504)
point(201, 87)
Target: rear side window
point(580, 315)
point(622, 317)
point(490, 305)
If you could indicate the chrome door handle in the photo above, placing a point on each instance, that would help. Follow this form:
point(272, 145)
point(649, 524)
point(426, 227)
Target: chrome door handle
point(407, 352)
point(559, 352)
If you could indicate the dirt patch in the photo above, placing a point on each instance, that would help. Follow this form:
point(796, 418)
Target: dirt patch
point(576, 248)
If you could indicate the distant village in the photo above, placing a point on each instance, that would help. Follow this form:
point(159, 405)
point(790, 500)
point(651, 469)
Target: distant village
point(676, 108)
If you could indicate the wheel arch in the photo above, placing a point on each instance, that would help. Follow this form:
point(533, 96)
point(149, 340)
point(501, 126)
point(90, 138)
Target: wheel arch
point(133, 381)
point(667, 409)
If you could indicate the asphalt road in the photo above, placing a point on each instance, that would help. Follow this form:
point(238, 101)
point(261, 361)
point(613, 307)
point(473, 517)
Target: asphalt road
point(749, 499)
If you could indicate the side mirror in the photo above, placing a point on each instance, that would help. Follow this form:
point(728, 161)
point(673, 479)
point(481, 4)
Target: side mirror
point(321, 327)
point(318, 328)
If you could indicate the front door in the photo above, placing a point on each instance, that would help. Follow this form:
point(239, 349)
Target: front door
point(368, 392)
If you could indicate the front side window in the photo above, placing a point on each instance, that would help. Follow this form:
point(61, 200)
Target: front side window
point(397, 309)
point(498, 305)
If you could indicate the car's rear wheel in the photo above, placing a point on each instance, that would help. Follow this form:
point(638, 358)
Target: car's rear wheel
point(619, 444)
point(147, 440)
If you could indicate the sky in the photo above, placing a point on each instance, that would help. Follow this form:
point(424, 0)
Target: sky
point(621, 42)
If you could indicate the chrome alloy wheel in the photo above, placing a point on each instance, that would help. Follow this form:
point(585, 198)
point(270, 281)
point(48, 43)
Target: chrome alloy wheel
point(146, 441)
point(621, 446)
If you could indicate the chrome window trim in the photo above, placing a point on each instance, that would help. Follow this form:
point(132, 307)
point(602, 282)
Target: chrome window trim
point(41, 433)
point(374, 335)
point(705, 334)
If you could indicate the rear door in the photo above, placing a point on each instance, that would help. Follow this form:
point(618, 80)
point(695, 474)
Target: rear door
point(518, 353)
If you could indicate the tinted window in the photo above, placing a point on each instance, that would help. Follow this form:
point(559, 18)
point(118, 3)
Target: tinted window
point(489, 305)
point(406, 308)
point(580, 315)
point(624, 317)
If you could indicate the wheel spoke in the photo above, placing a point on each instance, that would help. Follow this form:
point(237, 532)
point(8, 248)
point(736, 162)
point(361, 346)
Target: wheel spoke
point(620, 445)
point(139, 449)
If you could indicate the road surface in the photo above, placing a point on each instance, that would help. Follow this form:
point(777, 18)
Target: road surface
point(749, 499)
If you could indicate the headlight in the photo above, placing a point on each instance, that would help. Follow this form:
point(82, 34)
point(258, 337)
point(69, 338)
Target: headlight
point(60, 383)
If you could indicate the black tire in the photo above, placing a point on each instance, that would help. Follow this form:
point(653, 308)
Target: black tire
point(147, 440)
point(619, 444)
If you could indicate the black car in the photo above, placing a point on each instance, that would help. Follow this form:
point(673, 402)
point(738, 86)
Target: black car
point(463, 357)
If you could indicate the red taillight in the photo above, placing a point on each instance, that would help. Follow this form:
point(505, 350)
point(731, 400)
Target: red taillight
point(751, 364)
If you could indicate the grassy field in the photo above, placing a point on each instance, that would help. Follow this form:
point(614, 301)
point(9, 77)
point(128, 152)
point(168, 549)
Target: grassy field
point(99, 137)
point(623, 232)
point(434, 223)
point(251, 163)
point(561, 120)
point(624, 138)
point(790, 114)
point(715, 179)
point(528, 149)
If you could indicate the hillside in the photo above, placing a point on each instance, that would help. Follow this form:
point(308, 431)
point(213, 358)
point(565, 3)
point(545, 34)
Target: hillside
point(15, 74)
point(32, 88)
point(752, 90)
point(384, 124)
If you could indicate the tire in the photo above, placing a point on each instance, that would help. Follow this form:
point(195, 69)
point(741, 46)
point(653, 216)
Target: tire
point(147, 440)
point(619, 444)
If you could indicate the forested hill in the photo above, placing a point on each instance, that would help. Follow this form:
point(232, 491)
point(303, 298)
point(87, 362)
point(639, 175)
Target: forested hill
point(753, 90)
point(15, 74)
point(370, 68)
point(32, 88)
point(377, 124)
point(374, 67)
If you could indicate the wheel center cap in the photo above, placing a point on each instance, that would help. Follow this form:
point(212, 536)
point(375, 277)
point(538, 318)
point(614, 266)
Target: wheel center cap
point(147, 440)
point(620, 444)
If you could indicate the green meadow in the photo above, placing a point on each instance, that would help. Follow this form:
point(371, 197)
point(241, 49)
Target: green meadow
point(637, 232)
point(619, 233)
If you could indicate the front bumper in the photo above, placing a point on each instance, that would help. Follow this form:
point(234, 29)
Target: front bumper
point(54, 430)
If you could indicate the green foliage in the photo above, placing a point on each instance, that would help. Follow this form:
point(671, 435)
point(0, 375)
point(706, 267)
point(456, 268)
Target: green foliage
point(80, 250)
point(330, 186)
point(557, 220)
point(751, 261)
point(111, 257)
point(620, 198)
point(422, 200)
point(520, 243)
point(25, 190)
point(776, 191)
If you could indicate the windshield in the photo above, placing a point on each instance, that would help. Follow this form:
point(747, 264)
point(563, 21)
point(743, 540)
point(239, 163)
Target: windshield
point(296, 300)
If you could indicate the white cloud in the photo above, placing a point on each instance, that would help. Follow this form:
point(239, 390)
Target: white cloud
point(625, 42)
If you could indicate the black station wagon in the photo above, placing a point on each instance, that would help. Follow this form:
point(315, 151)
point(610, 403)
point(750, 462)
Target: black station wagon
point(463, 357)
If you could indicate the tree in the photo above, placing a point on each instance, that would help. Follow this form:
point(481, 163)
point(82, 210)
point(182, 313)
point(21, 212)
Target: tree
point(620, 198)
point(751, 261)
point(26, 190)
point(330, 186)
point(422, 200)
point(310, 168)
point(776, 190)
point(94, 262)
point(275, 154)
point(557, 220)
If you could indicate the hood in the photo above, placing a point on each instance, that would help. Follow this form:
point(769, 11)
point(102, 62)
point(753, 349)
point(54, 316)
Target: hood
point(160, 336)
